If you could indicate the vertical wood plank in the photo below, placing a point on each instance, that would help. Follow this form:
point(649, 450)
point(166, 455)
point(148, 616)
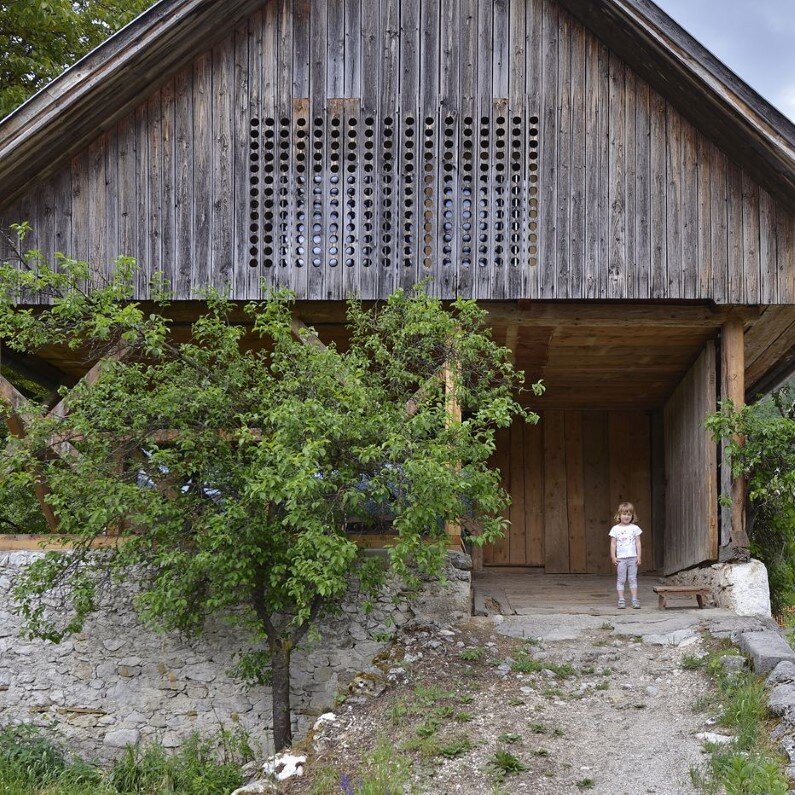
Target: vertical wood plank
point(167, 191)
point(704, 263)
point(202, 174)
point(317, 265)
point(518, 512)
point(640, 482)
point(223, 222)
point(183, 183)
point(630, 154)
point(596, 491)
point(516, 50)
point(97, 198)
point(534, 494)
point(617, 266)
point(547, 193)
point(245, 259)
point(642, 262)
point(335, 75)
point(785, 254)
point(564, 155)
point(353, 78)
point(689, 217)
point(735, 292)
point(302, 17)
point(674, 201)
point(718, 228)
point(127, 214)
point(556, 532)
point(110, 232)
point(500, 50)
point(575, 493)
point(579, 135)
point(154, 183)
point(501, 550)
point(658, 487)
point(751, 262)
point(768, 287)
point(80, 167)
point(143, 230)
point(658, 187)
point(619, 424)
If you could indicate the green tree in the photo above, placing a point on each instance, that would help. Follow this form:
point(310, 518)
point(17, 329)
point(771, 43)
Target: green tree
point(41, 38)
point(230, 469)
point(761, 446)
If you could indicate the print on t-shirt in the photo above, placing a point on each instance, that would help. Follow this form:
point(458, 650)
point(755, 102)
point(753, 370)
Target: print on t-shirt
point(625, 535)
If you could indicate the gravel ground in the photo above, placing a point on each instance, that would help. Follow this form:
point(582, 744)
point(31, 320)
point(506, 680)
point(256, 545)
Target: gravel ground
point(622, 720)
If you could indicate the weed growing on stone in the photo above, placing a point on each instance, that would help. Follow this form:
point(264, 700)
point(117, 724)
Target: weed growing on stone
point(465, 698)
point(430, 694)
point(691, 662)
point(531, 641)
point(586, 783)
point(427, 728)
point(587, 671)
point(541, 752)
point(538, 728)
point(602, 686)
point(462, 717)
point(398, 711)
point(509, 738)
point(607, 672)
point(553, 692)
point(558, 733)
point(458, 746)
point(516, 702)
point(504, 763)
point(475, 654)
point(525, 664)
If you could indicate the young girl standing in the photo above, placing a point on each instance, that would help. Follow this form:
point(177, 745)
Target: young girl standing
point(625, 551)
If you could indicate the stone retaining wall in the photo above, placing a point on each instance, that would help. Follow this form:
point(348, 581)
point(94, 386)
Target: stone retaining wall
point(740, 587)
point(118, 683)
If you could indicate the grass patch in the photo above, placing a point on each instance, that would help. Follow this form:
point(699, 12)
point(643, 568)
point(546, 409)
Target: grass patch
point(31, 763)
point(509, 738)
point(504, 764)
point(750, 764)
point(458, 746)
point(586, 783)
point(387, 774)
point(602, 686)
point(524, 664)
point(463, 717)
point(690, 662)
point(538, 728)
point(427, 695)
point(475, 654)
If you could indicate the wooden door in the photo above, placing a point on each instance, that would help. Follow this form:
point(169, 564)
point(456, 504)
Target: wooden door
point(691, 515)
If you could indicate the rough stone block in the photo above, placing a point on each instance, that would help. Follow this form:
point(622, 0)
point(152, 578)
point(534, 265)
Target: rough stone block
point(121, 738)
point(766, 649)
point(781, 700)
point(784, 672)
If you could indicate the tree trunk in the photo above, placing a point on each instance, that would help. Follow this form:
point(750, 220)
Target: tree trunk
point(280, 668)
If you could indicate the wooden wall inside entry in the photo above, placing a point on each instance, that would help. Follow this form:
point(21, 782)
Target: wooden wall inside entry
point(566, 476)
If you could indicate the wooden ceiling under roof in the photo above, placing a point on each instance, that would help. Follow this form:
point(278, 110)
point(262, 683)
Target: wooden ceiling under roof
point(605, 356)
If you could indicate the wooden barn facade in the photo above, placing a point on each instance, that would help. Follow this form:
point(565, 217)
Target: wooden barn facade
point(622, 204)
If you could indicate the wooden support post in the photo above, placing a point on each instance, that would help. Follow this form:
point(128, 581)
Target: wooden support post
point(733, 388)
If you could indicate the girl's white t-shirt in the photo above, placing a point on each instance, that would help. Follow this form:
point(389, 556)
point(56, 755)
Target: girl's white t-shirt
point(625, 535)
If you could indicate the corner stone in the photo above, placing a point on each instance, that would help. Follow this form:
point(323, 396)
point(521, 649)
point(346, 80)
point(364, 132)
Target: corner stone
point(766, 649)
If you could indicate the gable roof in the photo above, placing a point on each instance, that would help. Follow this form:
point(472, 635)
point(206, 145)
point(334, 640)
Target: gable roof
point(65, 115)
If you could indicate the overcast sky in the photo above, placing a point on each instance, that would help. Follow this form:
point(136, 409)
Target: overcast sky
point(754, 38)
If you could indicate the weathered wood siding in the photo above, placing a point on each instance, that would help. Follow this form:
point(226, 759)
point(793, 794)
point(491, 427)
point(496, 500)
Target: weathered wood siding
point(339, 146)
point(691, 491)
point(566, 476)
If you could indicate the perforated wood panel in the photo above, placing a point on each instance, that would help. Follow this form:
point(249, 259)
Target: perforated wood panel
point(343, 191)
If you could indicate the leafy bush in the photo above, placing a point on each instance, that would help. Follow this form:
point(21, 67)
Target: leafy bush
point(766, 458)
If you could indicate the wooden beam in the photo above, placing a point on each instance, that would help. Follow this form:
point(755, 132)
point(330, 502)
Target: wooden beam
point(733, 388)
point(625, 315)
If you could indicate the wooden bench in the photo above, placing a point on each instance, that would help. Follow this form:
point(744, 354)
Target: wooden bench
point(664, 591)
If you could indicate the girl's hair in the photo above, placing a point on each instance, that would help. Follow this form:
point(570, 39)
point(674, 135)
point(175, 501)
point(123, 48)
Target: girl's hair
point(625, 506)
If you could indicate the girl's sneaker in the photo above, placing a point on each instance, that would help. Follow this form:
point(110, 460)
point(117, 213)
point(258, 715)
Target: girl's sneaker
point(621, 604)
point(636, 604)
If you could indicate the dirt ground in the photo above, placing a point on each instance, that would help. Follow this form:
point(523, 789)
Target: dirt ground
point(467, 710)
